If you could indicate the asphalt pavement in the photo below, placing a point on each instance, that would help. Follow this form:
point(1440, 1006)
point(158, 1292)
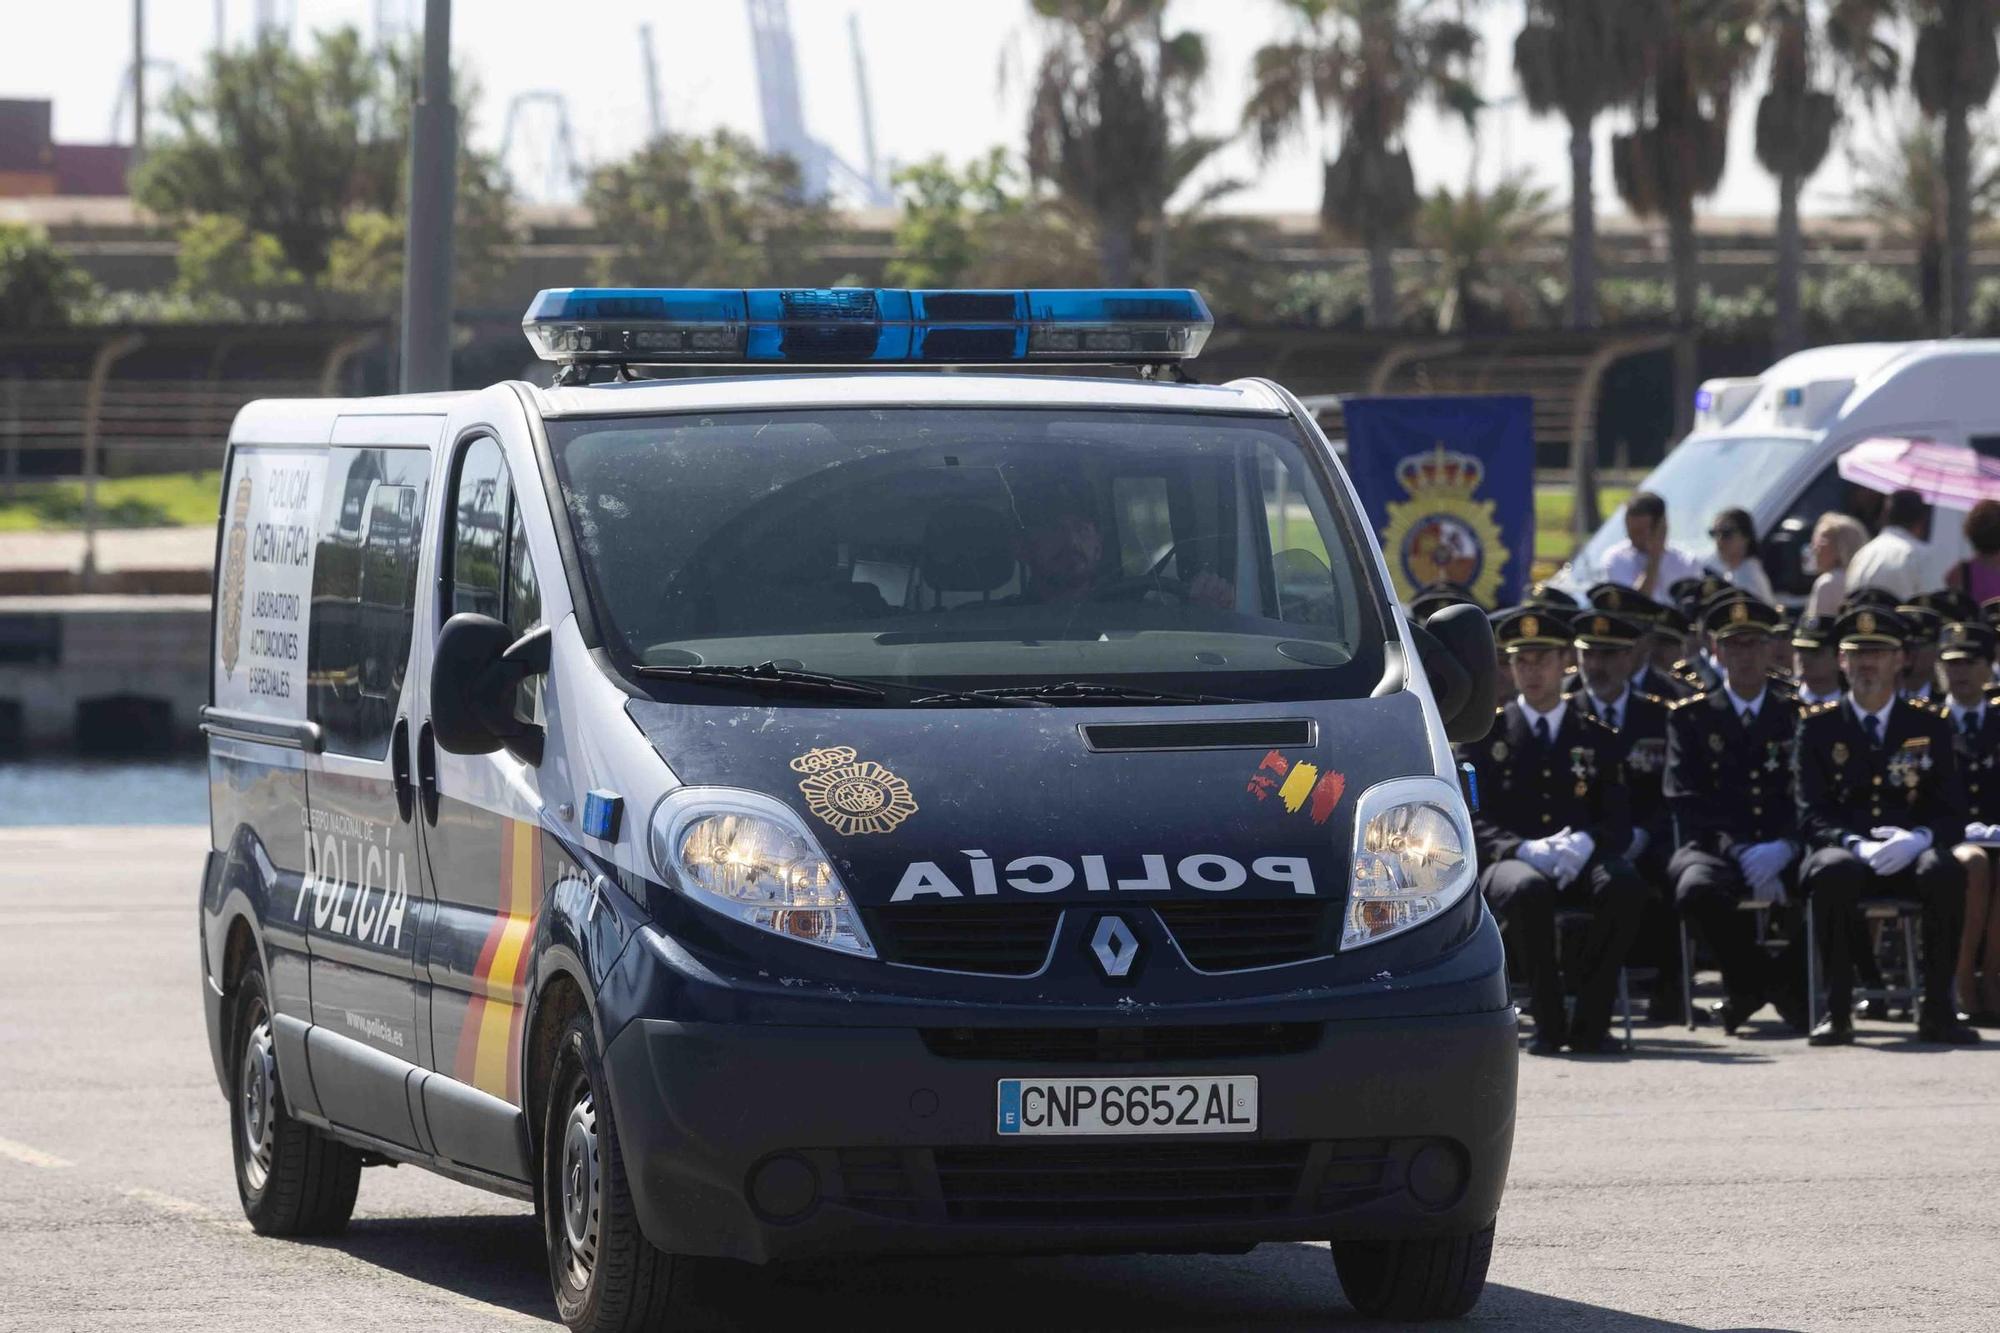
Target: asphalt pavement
point(1703, 1183)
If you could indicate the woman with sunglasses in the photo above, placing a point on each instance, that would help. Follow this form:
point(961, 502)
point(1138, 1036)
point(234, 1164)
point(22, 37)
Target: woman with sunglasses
point(1736, 553)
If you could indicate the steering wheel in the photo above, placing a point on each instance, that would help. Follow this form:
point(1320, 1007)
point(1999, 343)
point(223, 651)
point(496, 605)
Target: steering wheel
point(1135, 586)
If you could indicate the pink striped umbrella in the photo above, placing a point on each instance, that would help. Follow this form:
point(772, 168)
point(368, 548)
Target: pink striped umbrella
point(1945, 474)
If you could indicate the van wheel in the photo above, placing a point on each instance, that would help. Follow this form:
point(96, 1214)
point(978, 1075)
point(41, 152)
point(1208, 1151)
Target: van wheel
point(608, 1278)
point(293, 1179)
point(1424, 1277)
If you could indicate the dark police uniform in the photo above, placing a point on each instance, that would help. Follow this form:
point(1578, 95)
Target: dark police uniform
point(1975, 737)
point(1730, 785)
point(1641, 723)
point(1529, 788)
point(1849, 782)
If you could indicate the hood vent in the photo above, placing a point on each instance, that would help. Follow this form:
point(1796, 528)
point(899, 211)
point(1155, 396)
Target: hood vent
point(1253, 734)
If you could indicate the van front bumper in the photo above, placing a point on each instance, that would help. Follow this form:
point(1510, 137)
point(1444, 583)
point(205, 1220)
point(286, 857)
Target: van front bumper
point(769, 1143)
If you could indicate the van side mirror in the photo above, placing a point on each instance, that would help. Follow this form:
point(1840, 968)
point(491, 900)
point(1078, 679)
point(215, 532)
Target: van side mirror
point(474, 673)
point(1456, 647)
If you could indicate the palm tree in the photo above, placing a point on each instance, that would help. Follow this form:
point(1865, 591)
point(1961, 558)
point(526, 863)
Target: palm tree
point(1106, 124)
point(1797, 116)
point(1956, 68)
point(1694, 52)
point(1479, 237)
point(1578, 59)
point(1362, 65)
point(1902, 187)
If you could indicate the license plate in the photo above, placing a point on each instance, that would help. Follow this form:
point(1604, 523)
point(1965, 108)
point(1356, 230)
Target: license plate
point(1216, 1105)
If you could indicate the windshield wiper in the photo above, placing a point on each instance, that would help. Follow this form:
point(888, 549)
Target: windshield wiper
point(1078, 691)
point(766, 677)
point(770, 677)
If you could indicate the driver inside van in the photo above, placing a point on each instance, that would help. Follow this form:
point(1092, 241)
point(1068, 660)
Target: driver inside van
point(1061, 550)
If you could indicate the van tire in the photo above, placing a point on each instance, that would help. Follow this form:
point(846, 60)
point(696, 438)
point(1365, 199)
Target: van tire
point(623, 1283)
point(293, 1179)
point(1421, 1277)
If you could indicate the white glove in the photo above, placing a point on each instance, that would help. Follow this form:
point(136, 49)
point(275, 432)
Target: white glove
point(1573, 852)
point(1763, 863)
point(1539, 853)
point(1641, 840)
point(1897, 849)
point(1982, 833)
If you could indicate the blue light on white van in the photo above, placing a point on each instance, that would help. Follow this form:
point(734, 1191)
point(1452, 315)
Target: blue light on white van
point(862, 325)
point(1704, 399)
point(1793, 397)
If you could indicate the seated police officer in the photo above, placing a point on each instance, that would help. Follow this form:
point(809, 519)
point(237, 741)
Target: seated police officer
point(1881, 804)
point(1605, 647)
point(1729, 780)
point(1921, 628)
point(1966, 653)
point(1815, 660)
point(1553, 817)
point(1662, 632)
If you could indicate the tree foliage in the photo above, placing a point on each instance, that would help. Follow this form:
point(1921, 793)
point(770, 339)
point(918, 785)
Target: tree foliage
point(980, 226)
point(1356, 68)
point(1479, 238)
point(39, 288)
point(1902, 187)
point(1109, 121)
point(308, 150)
point(698, 212)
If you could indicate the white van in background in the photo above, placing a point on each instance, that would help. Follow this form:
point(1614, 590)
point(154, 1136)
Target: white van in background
point(1772, 445)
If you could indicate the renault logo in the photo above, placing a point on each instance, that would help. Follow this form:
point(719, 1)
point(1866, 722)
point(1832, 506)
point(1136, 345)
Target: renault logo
point(1116, 947)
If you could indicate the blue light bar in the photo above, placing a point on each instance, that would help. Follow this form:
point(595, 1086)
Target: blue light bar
point(865, 325)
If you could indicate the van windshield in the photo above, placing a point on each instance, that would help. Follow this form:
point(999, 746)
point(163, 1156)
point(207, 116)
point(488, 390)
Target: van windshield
point(1702, 476)
point(975, 548)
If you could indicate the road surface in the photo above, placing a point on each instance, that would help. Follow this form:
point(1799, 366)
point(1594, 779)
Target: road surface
point(1704, 1183)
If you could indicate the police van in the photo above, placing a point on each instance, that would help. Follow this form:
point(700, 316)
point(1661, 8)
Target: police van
point(823, 805)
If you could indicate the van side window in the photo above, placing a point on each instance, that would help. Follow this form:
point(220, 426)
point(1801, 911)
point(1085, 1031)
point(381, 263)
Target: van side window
point(364, 594)
point(490, 572)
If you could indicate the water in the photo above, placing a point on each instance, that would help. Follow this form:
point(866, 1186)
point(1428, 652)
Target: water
point(104, 791)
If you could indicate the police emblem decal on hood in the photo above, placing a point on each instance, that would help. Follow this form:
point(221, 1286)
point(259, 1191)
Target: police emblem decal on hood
point(853, 796)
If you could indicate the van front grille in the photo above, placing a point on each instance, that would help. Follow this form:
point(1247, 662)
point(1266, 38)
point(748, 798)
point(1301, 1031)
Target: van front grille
point(1071, 1183)
point(1224, 936)
point(1010, 940)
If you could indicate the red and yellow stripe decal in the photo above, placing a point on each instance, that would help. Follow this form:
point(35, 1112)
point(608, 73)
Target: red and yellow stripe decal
point(489, 1045)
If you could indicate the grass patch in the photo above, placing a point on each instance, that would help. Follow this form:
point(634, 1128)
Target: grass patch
point(174, 499)
point(1555, 510)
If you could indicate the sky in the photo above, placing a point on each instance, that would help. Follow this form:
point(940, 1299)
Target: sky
point(946, 77)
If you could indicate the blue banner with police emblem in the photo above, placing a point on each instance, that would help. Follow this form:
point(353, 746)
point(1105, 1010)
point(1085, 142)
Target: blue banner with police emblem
point(1449, 487)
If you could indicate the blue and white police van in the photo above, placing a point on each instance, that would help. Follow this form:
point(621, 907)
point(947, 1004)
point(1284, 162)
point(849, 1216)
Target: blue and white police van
point(875, 793)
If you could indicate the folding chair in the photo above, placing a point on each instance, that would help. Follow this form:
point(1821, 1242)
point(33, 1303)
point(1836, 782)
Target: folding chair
point(1763, 911)
point(1905, 912)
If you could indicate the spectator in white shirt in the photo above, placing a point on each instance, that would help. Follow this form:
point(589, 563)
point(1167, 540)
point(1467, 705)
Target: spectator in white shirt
point(1644, 561)
point(1898, 559)
point(1736, 552)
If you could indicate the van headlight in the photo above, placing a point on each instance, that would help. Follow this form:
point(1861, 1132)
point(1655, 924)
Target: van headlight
point(747, 856)
point(1412, 858)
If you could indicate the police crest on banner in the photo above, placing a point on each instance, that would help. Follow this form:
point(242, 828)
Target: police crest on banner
point(1442, 533)
point(1448, 483)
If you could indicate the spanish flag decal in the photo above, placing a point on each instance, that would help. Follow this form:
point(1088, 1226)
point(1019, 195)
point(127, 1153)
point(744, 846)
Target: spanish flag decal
point(489, 1045)
point(1298, 786)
